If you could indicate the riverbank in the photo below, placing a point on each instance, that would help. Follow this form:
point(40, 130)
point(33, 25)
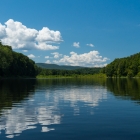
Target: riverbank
point(72, 76)
point(99, 75)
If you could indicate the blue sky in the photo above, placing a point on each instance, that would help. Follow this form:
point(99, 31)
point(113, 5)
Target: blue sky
point(71, 32)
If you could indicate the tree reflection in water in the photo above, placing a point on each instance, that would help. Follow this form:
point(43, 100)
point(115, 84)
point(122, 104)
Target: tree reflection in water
point(125, 88)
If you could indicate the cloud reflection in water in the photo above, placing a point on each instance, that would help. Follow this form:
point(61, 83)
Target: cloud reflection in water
point(16, 120)
point(43, 108)
point(87, 95)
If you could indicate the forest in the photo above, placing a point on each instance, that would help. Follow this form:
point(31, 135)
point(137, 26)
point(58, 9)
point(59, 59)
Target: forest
point(55, 66)
point(124, 67)
point(15, 64)
point(65, 73)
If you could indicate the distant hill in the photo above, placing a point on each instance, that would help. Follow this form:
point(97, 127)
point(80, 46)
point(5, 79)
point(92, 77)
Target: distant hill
point(60, 67)
point(53, 69)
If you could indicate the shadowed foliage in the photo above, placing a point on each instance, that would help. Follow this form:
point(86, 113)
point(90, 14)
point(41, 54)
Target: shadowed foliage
point(127, 67)
point(15, 64)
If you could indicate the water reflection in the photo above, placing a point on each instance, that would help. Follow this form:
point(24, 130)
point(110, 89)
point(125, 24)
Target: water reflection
point(125, 88)
point(34, 104)
point(74, 91)
point(16, 120)
point(87, 95)
point(40, 104)
point(15, 91)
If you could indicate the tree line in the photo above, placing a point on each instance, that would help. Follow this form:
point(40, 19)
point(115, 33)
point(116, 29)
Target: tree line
point(15, 64)
point(61, 72)
point(127, 67)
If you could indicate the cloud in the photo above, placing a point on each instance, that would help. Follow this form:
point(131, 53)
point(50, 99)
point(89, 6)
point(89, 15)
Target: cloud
point(46, 57)
point(48, 61)
point(2, 31)
point(31, 56)
point(90, 59)
point(91, 45)
point(19, 36)
point(50, 35)
point(76, 44)
point(56, 55)
point(25, 50)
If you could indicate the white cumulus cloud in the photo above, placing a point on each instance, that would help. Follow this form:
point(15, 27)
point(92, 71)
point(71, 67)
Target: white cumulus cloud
point(31, 56)
point(46, 57)
point(90, 59)
point(2, 31)
point(91, 45)
point(25, 50)
point(76, 44)
point(19, 36)
point(48, 61)
point(56, 55)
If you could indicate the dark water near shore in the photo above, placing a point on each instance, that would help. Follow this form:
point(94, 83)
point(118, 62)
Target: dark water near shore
point(65, 109)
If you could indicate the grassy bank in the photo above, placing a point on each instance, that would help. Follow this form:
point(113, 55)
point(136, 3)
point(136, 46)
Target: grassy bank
point(100, 75)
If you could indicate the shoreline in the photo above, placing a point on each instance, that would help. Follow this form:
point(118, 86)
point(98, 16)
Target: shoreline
point(72, 76)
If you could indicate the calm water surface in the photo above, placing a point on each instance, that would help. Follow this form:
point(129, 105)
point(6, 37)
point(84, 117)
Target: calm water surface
point(65, 109)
